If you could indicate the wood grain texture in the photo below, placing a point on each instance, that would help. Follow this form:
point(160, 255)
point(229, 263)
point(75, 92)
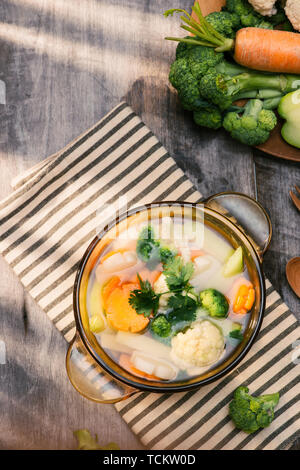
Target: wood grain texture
point(65, 65)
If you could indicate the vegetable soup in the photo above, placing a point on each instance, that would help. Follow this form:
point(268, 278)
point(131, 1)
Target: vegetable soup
point(169, 299)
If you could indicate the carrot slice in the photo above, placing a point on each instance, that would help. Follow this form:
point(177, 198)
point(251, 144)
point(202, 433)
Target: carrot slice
point(120, 314)
point(108, 287)
point(126, 363)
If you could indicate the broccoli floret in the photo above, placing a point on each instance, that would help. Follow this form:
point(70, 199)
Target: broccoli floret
point(224, 22)
point(166, 254)
point(253, 127)
point(182, 48)
point(187, 86)
point(209, 117)
point(147, 247)
point(248, 16)
point(201, 59)
point(252, 413)
point(160, 326)
point(192, 62)
point(222, 89)
point(214, 88)
point(215, 302)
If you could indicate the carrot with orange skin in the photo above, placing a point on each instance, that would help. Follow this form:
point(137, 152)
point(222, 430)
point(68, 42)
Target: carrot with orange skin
point(244, 299)
point(268, 50)
point(254, 48)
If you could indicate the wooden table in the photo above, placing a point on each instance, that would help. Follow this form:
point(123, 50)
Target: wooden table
point(65, 64)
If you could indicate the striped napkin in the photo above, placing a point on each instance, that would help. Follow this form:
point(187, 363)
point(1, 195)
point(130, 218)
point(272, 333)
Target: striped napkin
point(48, 221)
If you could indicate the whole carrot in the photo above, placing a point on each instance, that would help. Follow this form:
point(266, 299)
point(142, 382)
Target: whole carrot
point(254, 48)
point(268, 50)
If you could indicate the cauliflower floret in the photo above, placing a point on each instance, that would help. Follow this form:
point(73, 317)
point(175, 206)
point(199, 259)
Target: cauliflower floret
point(200, 345)
point(292, 10)
point(264, 7)
point(159, 287)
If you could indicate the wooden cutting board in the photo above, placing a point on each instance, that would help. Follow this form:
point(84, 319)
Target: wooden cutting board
point(275, 145)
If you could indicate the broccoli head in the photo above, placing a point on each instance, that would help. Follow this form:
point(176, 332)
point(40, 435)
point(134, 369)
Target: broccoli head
point(210, 117)
point(224, 22)
point(147, 248)
point(160, 326)
point(247, 15)
point(215, 302)
point(222, 88)
point(214, 88)
point(166, 254)
point(252, 413)
point(192, 62)
point(253, 127)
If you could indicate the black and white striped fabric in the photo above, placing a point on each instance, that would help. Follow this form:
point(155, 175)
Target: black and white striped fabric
point(46, 225)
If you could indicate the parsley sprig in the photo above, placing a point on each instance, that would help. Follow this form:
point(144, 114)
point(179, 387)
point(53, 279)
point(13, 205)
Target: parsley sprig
point(144, 300)
point(178, 274)
point(182, 303)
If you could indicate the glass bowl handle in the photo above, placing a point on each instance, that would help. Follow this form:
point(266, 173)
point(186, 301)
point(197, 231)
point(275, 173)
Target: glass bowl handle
point(90, 380)
point(247, 214)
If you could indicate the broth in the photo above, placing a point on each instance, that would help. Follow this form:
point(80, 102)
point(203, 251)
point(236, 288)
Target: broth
point(200, 291)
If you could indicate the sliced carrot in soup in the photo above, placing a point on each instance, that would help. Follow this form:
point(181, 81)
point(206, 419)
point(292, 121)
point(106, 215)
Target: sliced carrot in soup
point(120, 315)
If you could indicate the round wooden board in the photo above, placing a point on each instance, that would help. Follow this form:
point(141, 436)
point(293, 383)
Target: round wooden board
point(275, 145)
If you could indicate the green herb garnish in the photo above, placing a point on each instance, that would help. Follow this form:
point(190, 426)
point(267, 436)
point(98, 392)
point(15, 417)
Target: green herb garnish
point(144, 300)
point(178, 274)
point(183, 308)
point(236, 334)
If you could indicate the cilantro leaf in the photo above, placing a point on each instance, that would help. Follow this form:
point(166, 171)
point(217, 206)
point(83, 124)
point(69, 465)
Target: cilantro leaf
point(183, 308)
point(177, 273)
point(144, 300)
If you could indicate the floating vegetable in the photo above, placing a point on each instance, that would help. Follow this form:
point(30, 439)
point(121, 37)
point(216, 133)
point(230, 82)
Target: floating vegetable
point(244, 299)
point(145, 344)
point(235, 263)
point(214, 302)
point(156, 368)
point(118, 260)
point(126, 362)
point(97, 323)
point(108, 287)
point(120, 314)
